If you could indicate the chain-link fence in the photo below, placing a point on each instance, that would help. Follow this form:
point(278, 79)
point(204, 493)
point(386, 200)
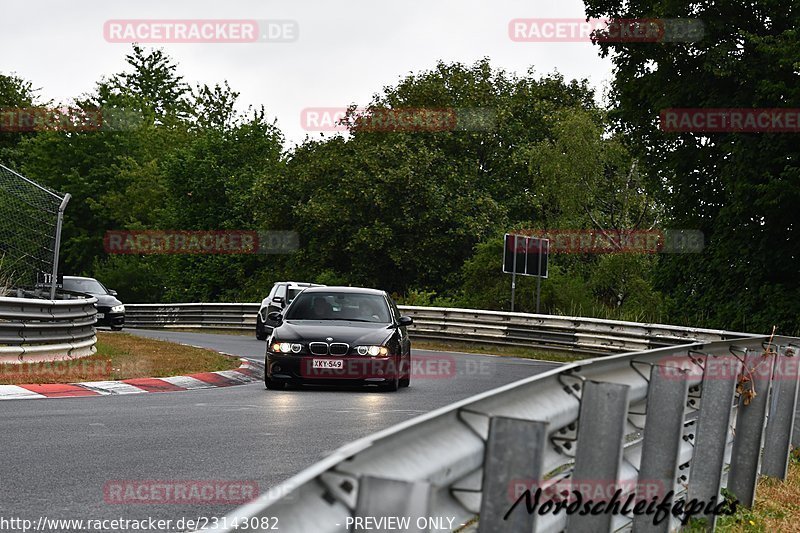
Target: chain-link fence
point(30, 234)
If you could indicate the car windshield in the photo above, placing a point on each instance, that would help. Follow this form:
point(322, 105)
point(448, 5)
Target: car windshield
point(294, 292)
point(89, 286)
point(356, 307)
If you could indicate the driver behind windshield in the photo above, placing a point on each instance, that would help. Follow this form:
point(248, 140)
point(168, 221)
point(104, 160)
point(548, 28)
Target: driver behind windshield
point(321, 309)
point(366, 311)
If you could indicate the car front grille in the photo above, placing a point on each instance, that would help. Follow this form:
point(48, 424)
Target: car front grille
point(323, 348)
point(318, 348)
point(339, 348)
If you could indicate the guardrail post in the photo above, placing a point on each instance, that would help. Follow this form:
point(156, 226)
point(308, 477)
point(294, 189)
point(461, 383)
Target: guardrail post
point(796, 431)
point(713, 429)
point(783, 405)
point(749, 430)
point(514, 452)
point(663, 431)
point(382, 498)
point(601, 432)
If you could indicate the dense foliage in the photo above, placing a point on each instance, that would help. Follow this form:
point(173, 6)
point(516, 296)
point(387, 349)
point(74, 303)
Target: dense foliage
point(422, 213)
point(741, 189)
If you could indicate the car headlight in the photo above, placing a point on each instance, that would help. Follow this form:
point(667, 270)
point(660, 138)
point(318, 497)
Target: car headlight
point(373, 351)
point(118, 309)
point(286, 347)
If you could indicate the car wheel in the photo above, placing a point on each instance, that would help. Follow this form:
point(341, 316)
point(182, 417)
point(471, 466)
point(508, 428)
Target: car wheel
point(260, 333)
point(116, 328)
point(394, 384)
point(271, 384)
point(405, 381)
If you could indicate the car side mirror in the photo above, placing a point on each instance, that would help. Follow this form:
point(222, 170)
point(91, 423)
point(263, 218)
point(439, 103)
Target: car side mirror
point(112, 292)
point(275, 317)
point(405, 321)
point(278, 300)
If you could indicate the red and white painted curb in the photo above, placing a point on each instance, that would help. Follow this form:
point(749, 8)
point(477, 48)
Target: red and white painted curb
point(247, 373)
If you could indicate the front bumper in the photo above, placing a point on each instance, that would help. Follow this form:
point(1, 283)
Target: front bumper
point(362, 370)
point(108, 319)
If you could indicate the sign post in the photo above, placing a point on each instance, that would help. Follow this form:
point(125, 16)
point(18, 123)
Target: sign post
point(532, 261)
point(514, 274)
point(539, 278)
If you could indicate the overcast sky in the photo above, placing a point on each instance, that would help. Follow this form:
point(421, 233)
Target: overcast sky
point(347, 50)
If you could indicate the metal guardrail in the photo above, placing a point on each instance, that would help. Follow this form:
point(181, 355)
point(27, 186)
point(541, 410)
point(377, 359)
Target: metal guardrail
point(34, 330)
point(670, 419)
point(236, 316)
point(588, 336)
point(667, 419)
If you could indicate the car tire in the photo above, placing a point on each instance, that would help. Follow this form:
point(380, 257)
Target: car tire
point(260, 333)
point(271, 384)
point(116, 328)
point(405, 381)
point(393, 385)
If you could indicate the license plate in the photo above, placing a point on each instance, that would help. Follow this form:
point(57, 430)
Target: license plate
point(327, 363)
point(100, 316)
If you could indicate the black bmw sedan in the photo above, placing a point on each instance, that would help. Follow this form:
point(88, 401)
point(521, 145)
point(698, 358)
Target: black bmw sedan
point(110, 311)
point(339, 336)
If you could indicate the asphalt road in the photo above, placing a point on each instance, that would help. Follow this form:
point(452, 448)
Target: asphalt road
point(58, 454)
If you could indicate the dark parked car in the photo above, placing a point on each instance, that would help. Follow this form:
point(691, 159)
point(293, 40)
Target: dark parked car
point(281, 295)
point(110, 311)
point(339, 336)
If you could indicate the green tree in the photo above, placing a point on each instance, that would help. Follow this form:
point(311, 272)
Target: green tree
point(740, 189)
point(405, 209)
point(113, 172)
point(15, 94)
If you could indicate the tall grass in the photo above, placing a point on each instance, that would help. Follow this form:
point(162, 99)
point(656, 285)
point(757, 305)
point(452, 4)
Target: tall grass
point(6, 278)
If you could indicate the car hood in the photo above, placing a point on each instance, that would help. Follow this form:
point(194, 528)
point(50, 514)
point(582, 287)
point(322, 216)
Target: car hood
point(106, 300)
point(353, 333)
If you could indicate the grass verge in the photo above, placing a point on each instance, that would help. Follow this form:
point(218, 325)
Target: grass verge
point(777, 505)
point(492, 349)
point(121, 356)
point(213, 331)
